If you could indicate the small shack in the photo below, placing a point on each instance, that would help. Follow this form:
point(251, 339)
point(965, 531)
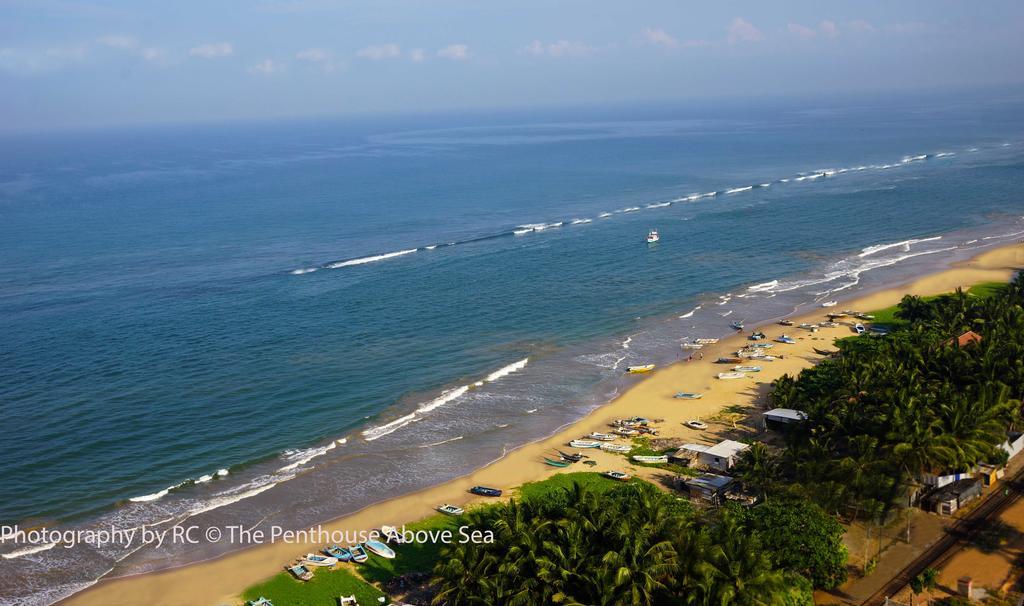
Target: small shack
point(946, 500)
point(707, 487)
point(720, 457)
point(780, 418)
point(968, 338)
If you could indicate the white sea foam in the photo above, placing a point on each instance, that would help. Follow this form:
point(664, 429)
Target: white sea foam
point(604, 215)
point(736, 190)
point(150, 497)
point(690, 313)
point(905, 244)
point(531, 411)
point(446, 396)
point(764, 286)
point(455, 439)
point(28, 550)
point(631, 209)
point(511, 368)
point(222, 472)
point(297, 458)
point(522, 232)
point(431, 247)
point(372, 259)
point(204, 478)
point(659, 205)
point(625, 344)
point(305, 270)
point(580, 221)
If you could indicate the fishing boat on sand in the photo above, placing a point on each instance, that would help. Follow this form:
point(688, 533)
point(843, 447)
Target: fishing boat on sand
point(829, 304)
point(312, 559)
point(452, 510)
point(785, 322)
point(300, 572)
point(380, 549)
point(391, 535)
point(728, 360)
point(691, 345)
point(616, 475)
point(635, 370)
point(339, 553)
point(737, 325)
point(554, 463)
point(359, 554)
point(731, 375)
point(485, 491)
point(625, 431)
point(705, 341)
point(574, 457)
point(696, 424)
point(688, 395)
point(585, 444)
point(747, 368)
point(786, 339)
point(604, 437)
point(616, 447)
point(651, 459)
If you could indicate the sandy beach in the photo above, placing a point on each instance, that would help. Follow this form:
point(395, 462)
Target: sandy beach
point(221, 580)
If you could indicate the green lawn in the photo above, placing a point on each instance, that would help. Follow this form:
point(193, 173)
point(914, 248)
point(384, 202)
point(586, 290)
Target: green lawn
point(323, 590)
point(982, 290)
point(590, 479)
point(411, 557)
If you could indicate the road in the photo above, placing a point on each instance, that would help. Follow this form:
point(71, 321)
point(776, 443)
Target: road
point(955, 537)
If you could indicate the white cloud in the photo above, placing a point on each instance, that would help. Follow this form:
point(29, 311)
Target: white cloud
point(265, 67)
point(212, 50)
point(829, 29)
point(801, 31)
point(861, 26)
point(660, 37)
point(417, 55)
point(380, 51)
point(914, 27)
point(455, 52)
point(321, 58)
point(151, 53)
point(27, 61)
point(119, 41)
point(740, 30)
point(559, 48)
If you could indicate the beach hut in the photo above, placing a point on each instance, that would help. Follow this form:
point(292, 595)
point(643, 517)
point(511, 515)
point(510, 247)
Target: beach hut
point(946, 500)
point(780, 418)
point(720, 457)
point(707, 487)
point(1014, 444)
point(965, 339)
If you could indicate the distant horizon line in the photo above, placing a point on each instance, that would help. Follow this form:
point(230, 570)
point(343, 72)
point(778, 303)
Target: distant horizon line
point(776, 101)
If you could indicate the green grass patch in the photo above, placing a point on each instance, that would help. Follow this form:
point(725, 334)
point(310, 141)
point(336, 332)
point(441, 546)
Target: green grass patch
point(982, 290)
point(411, 557)
point(563, 481)
point(323, 590)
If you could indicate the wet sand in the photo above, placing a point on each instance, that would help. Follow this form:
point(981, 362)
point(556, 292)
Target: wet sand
point(221, 580)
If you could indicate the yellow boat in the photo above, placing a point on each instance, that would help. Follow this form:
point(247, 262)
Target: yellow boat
point(635, 370)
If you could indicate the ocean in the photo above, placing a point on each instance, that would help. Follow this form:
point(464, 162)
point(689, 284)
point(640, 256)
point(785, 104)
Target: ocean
point(279, 323)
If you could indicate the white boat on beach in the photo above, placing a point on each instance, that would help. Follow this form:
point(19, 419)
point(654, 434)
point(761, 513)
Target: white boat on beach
point(312, 559)
point(696, 424)
point(604, 437)
point(616, 447)
point(452, 510)
point(705, 341)
point(625, 431)
point(747, 368)
point(652, 459)
point(692, 345)
point(786, 339)
point(731, 375)
point(688, 395)
point(585, 444)
point(829, 304)
point(380, 549)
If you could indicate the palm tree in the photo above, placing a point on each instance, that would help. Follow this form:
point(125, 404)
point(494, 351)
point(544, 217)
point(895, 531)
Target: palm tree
point(757, 468)
point(737, 571)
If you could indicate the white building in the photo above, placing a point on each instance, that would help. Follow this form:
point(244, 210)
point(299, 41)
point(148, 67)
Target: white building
point(777, 418)
point(721, 456)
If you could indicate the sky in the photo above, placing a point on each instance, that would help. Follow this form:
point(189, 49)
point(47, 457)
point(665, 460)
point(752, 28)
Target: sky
point(67, 64)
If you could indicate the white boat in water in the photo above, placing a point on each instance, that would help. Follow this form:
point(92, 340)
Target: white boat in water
point(585, 444)
point(829, 304)
point(608, 447)
point(731, 375)
point(652, 236)
point(656, 459)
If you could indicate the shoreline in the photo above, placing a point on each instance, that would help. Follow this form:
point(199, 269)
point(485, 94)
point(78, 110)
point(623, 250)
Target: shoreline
point(221, 579)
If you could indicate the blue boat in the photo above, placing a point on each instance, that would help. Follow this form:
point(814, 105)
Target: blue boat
point(341, 553)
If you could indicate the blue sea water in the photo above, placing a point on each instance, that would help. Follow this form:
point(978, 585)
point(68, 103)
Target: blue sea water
point(181, 301)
